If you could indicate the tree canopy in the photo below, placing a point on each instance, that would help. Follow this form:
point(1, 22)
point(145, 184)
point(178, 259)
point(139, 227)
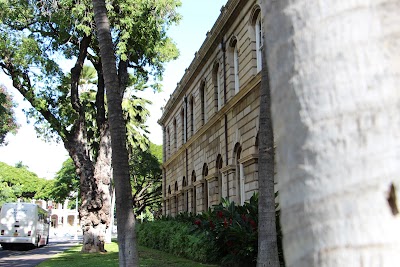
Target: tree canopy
point(8, 123)
point(17, 182)
point(38, 38)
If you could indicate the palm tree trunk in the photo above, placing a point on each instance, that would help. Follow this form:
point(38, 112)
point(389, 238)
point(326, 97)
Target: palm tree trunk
point(128, 255)
point(267, 238)
point(334, 76)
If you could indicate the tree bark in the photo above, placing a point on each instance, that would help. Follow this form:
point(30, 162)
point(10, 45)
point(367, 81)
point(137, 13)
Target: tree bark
point(95, 180)
point(267, 238)
point(334, 76)
point(128, 255)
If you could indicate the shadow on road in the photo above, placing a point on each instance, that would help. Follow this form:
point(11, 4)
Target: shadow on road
point(32, 257)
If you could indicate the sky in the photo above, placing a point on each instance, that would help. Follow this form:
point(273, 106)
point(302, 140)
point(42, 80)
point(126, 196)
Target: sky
point(45, 159)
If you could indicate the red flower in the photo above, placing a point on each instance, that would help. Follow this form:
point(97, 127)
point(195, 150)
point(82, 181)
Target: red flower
point(197, 222)
point(244, 217)
point(253, 224)
point(220, 214)
point(225, 223)
point(212, 226)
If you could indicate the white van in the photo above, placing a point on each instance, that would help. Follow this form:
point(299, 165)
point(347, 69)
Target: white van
point(23, 224)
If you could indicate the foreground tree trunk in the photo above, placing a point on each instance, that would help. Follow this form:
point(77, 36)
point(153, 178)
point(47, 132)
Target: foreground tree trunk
point(334, 76)
point(128, 255)
point(267, 238)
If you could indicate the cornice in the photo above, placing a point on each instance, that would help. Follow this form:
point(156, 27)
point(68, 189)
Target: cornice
point(212, 40)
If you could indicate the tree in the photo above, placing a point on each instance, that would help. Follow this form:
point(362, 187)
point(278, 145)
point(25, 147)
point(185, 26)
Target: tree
point(128, 253)
point(146, 178)
point(267, 236)
point(20, 183)
point(34, 34)
point(66, 183)
point(8, 123)
point(334, 75)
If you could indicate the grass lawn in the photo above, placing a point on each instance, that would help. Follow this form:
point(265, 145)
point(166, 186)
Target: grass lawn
point(147, 258)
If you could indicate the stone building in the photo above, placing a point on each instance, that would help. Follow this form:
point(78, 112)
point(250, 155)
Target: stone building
point(211, 121)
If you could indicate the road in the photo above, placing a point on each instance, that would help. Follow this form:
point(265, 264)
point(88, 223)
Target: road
point(32, 257)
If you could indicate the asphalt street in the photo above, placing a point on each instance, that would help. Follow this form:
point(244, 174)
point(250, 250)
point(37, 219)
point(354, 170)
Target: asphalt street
point(32, 257)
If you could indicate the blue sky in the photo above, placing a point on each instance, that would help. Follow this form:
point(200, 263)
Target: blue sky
point(45, 159)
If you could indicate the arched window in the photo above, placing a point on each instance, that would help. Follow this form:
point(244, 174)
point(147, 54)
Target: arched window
point(175, 134)
point(221, 181)
point(259, 41)
point(203, 101)
point(176, 199)
point(183, 125)
point(168, 142)
point(193, 176)
point(239, 175)
point(194, 196)
point(217, 86)
point(191, 105)
point(205, 187)
point(235, 63)
point(185, 195)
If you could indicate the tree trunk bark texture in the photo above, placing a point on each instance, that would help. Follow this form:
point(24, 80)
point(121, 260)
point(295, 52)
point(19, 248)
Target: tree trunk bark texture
point(95, 181)
point(267, 238)
point(128, 255)
point(334, 74)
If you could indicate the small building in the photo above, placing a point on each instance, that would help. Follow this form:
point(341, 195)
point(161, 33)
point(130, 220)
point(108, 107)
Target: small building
point(211, 121)
point(62, 218)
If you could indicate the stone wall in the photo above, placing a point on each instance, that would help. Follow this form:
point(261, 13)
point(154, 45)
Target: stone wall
point(211, 120)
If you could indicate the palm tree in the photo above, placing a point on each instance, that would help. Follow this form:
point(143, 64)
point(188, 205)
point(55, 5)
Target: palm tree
point(334, 77)
point(128, 255)
point(87, 78)
point(267, 238)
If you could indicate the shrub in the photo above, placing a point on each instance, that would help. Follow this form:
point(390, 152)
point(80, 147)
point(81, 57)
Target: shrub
point(233, 230)
point(175, 237)
point(226, 234)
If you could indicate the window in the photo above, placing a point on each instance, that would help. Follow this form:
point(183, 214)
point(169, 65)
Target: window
point(239, 175)
point(175, 139)
point(176, 199)
point(183, 125)
point(191, 105)
point(236, 67)
point(259, 41)
point(168, 142)
point(235, 63)
point(221, 188)
point(205, 187)
point(194, 209)
point(203, 101)
point(217, 86)
point(185, 195)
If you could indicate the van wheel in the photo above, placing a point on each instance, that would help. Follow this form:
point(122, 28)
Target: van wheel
point(38, 241)
point(6, 246)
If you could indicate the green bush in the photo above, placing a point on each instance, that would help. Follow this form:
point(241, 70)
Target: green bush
point(226, 234)
point(233, 230)
point(177, 238)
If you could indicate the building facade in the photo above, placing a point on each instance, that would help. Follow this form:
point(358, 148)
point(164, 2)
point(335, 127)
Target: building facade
point(211, 121)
